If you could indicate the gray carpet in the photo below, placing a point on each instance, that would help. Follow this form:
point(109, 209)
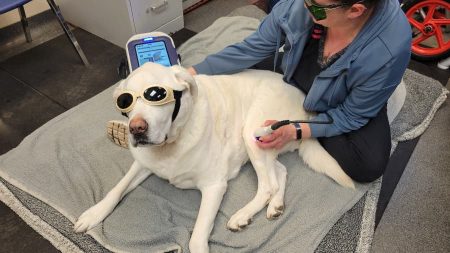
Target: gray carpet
point(417, 218)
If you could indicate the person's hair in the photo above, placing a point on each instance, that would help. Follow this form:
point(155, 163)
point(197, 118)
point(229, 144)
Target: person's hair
point(368, 3)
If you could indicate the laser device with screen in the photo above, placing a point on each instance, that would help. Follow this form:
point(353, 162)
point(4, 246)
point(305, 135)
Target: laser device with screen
point(155, 47)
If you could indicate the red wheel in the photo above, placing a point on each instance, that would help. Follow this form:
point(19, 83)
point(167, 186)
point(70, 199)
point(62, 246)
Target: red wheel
point(430, 24)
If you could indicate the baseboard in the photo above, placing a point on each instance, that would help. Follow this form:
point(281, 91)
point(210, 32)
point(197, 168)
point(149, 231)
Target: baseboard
point(195, 6)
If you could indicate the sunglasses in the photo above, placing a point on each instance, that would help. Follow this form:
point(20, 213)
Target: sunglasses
point(152, 95)
point(319, 12)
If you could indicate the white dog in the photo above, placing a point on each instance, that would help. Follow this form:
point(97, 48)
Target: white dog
point(204, 142)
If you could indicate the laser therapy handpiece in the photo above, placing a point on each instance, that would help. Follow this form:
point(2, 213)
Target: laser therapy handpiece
point(263, 131)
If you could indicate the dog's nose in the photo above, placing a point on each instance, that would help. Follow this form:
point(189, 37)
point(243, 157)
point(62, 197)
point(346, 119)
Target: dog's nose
point(138, 126)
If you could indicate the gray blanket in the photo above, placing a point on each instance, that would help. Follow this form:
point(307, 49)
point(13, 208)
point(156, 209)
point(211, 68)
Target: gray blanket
point(70, 165)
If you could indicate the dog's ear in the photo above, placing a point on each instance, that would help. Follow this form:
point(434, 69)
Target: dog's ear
point(185, 79)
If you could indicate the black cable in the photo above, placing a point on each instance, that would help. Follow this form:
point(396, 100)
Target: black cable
point(281, 123)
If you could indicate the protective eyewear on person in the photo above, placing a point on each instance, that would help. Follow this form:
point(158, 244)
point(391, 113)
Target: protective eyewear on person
point(319, 12)
point(152, 95)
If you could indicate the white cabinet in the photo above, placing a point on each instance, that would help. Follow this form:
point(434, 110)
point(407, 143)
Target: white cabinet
point(117, 20)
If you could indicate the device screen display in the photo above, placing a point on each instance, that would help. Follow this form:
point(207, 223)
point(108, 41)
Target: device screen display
point(153, 52)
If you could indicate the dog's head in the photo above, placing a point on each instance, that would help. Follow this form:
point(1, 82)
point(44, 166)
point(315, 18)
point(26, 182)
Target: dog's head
point(158, 101)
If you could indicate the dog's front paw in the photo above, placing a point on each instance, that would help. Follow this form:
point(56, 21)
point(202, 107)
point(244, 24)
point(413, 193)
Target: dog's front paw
point(93, 216)
point(274, 211)
point(239, 220)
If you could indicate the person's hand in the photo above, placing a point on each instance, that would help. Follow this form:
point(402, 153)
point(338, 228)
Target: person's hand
point(192, 71)
point(278, 138)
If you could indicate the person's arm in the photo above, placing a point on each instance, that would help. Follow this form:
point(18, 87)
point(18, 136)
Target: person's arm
point(364, 102)
point(256, 47)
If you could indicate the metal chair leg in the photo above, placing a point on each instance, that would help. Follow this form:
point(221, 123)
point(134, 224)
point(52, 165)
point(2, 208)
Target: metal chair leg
point(24, 21)
point(66, 29)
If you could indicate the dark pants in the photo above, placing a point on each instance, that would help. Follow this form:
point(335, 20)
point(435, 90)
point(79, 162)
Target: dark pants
point(363, 154)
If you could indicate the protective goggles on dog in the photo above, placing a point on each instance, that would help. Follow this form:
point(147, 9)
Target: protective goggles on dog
point(152, 95)
point(319, 12)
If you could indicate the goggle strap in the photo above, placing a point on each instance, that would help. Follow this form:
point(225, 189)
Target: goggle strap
point(177, 95)
point(332, 6)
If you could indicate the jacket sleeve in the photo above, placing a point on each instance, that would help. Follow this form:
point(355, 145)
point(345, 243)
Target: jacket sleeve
point(256, 47)
point(363, 102)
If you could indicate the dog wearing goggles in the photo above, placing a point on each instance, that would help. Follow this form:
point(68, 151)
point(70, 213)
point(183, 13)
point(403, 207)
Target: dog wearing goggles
point(197, 132)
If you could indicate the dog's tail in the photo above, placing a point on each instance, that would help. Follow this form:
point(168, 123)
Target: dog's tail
point(321, 161)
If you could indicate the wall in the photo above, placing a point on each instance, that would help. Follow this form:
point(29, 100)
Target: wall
point(31, 8)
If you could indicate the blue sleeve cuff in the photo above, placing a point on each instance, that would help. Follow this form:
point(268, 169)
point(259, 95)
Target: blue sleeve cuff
point(203, 68)
point(319, 130)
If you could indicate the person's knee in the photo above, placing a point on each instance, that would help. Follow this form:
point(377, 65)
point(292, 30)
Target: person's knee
point(370, 170)
point(367, 176)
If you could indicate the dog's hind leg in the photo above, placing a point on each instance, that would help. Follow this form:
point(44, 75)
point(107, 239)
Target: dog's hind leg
point(212, 196)
point(97, 213)
point(276, 204)
point(264, 164)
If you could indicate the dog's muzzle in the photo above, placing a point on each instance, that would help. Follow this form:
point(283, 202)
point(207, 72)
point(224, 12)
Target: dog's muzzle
point(140, 140)
point(138, 128)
